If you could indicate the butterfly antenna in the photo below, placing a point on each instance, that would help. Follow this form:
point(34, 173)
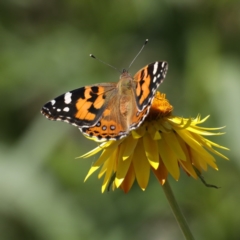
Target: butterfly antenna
point(146, 41)
point(92, 56)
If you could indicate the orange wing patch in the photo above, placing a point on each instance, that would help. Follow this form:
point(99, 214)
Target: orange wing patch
point(138, 76)
point(143, 80)
point(82, 106)
point(145, 91)
point(138, 117)
point(88, 107)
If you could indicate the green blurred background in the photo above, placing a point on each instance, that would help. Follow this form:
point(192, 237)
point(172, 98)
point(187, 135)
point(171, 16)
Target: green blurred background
point(44, 48)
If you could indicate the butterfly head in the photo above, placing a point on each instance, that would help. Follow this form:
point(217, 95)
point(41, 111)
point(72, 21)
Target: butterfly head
point(125, 74)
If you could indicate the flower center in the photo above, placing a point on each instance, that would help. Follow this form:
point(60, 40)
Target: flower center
point(160, 107)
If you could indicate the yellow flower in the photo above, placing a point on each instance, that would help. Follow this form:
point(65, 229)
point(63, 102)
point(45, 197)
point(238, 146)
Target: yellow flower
point(163, 144)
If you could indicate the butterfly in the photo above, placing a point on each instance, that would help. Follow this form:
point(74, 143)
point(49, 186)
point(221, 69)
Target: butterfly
point(109, 111)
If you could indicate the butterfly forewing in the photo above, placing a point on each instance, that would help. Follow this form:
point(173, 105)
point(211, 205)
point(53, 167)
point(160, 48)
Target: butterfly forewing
point(148, 80)
point(81, 107)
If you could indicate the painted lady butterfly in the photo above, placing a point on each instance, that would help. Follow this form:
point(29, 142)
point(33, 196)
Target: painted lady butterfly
point(108, 111)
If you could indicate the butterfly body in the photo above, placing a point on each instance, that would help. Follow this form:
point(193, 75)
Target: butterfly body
point(108, 111)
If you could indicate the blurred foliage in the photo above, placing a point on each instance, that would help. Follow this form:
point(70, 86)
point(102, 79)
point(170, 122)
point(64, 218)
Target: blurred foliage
point(44, 48)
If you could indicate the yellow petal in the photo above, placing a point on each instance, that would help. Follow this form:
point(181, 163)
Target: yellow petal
point(129, 179)
point(91, 153)
point(151, 150)
point(174, 144)
point(208, 129)
point(103, 169)
point(122, 169)
point(129, 146)
point(208, 144)
point(198, 160)
point(112, 144)
point(187, 165)
point(217, 153)
point(180, 123)
point(193, 143)
point(104, 157)
point(139, 132)
point(141, 165)
point(200, 131)
point(90, 172)
point(108, 173)
point(114, 155)
point(210, 160)
point(216, 145)
point(161, 173)
point(169, 159)
point(154, 133)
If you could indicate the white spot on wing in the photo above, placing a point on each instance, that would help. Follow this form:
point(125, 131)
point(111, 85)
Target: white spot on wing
point(154, 79)
point(66, 109)
point(68, 97)
point(112, 127)
point(53, 102)
point(58, 110)
point(155, 67)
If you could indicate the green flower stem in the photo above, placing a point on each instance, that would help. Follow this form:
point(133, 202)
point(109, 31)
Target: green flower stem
point(177, 212)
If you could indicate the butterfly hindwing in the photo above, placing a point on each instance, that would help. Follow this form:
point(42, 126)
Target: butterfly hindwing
point(111, 125)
